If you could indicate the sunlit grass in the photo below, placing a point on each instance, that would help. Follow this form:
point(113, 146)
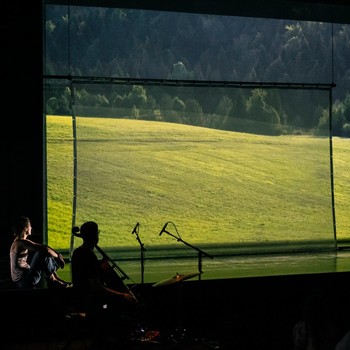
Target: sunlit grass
point(215, 186)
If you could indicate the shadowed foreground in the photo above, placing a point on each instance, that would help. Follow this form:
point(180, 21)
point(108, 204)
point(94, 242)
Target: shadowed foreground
point(241, 313)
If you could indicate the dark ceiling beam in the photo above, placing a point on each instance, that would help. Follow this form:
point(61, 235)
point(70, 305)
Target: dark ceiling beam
point(333, 11)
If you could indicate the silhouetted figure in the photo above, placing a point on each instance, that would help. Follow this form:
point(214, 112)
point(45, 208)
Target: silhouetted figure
point(90, 288)
point(103, 307)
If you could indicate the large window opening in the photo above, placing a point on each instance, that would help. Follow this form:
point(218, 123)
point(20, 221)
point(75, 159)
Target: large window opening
point(230, 129)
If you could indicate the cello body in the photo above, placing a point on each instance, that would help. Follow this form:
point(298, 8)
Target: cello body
point(112, 275)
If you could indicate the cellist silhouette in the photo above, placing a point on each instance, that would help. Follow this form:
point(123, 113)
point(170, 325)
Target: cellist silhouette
point(99, 291)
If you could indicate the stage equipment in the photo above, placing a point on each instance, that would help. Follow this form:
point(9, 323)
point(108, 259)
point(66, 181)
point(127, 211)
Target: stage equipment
point(201, 253)
point(175, 279)
point(142, 250)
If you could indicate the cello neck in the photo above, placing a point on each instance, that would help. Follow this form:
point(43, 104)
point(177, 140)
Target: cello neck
point(113, 263)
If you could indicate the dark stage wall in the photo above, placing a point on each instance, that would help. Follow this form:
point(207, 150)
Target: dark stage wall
point(22, 117)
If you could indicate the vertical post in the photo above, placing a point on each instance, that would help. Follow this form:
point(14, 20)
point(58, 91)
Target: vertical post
point(331, 167)
point(75, 162)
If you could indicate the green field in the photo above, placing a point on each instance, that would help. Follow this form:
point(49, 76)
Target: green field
point(213, 186)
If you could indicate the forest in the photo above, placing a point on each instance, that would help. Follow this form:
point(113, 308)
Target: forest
point(138, 44)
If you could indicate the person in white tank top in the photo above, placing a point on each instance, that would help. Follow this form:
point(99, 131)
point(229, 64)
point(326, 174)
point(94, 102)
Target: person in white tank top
point(29, 260)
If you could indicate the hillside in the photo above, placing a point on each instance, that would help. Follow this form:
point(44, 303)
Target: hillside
point(213, 186)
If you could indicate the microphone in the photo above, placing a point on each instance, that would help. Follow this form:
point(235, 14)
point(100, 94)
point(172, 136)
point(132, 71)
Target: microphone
point(75, 229)
point(134, 230)
point(163, 229)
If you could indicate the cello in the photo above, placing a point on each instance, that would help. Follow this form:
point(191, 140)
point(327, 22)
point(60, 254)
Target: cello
point(112, 274)
point(111, 270)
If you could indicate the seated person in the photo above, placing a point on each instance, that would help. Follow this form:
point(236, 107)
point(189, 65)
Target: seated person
point(103, 307)
point(103, 301)
point(29, 260)
point(92, 294)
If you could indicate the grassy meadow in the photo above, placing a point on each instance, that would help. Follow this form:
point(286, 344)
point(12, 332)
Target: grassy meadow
point(212, 186)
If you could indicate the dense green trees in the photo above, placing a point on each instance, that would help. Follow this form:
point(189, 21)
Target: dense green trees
point(121, 43)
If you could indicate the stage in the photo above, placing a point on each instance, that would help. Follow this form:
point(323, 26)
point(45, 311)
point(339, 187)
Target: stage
point(237, 303)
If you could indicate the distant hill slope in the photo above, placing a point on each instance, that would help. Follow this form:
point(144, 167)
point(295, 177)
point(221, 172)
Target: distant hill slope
point(213, 186)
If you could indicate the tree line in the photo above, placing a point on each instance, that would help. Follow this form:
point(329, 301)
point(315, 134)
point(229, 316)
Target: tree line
point(161, 45)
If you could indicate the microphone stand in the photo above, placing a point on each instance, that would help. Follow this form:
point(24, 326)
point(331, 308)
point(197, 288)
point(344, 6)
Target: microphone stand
point(200, 252)
point(142, 254)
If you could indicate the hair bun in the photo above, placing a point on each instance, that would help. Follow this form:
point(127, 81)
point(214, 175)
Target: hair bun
point(75, 231)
